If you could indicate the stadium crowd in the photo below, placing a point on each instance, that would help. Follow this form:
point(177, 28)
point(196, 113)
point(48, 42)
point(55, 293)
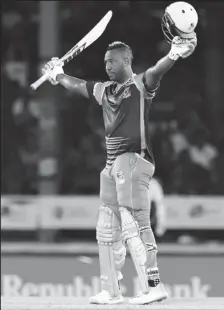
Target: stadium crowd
point(188, 152)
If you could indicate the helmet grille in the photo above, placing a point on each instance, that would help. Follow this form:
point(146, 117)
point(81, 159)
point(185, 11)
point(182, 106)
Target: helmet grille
point(168, 28)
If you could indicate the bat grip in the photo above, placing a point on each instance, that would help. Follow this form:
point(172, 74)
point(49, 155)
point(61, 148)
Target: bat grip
point(39, 82)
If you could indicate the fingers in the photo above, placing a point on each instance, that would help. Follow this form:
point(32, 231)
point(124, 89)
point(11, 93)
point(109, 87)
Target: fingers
point(48, 66)
point(181, 41)
point(184, 47)
point(52, 68)
point(189, 51)
point(57, 62)
point(46, 69)
point(52, 81)
point(177, 40)
point(191, 47)
point(193, 40)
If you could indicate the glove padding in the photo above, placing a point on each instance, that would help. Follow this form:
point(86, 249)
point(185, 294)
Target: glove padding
point(53, 68)
point(182, 47)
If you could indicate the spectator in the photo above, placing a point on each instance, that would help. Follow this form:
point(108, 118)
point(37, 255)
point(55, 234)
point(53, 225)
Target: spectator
point(178, 138)
point(93, 161)
point(158, 209)
point(164, 156)
point(202, 154)
point(219, 170)
point(10, 162)
point(182, 179)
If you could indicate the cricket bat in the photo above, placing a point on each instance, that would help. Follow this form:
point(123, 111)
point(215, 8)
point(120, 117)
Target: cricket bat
point(91, 37)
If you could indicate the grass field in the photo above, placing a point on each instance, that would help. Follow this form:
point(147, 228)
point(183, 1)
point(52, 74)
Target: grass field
point(33, 303)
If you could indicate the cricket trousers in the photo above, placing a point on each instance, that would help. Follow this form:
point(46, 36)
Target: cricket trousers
point(126, 184)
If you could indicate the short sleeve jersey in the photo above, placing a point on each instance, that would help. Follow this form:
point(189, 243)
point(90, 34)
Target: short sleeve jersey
point(126, 116)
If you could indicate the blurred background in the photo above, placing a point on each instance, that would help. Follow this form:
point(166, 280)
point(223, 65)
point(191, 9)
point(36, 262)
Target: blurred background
point(53, 148)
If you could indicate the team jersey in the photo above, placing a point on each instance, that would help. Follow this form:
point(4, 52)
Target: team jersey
point(126, 116)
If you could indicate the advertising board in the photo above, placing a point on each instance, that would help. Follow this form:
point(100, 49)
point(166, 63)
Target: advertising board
point(54, 275)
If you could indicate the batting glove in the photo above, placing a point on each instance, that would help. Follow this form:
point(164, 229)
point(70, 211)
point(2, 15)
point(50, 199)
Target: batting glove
point(53, 68)
point(182, 47)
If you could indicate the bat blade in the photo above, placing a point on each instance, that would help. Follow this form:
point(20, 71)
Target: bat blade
point(91, 37)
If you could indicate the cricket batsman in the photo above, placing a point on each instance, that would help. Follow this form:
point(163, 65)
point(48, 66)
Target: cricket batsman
point(124, 217)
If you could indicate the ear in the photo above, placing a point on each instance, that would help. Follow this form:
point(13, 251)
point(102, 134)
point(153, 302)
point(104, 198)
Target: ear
point(126, 61)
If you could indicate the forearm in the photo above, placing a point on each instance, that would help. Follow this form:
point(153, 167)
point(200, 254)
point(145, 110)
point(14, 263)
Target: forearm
point(154, 74)
point(73, 84)
point(162, 66)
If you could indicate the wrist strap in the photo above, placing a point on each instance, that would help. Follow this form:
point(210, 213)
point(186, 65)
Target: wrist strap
point(173, 55)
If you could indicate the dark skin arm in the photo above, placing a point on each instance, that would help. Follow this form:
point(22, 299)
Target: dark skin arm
point(154, 74)
point(73, 84)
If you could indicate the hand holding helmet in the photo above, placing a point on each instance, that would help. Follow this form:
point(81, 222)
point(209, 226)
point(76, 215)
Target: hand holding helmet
point(182, 47)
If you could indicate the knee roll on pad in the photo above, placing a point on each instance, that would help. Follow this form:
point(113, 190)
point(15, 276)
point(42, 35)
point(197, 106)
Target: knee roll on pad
point(112, 251)
point(130, 233)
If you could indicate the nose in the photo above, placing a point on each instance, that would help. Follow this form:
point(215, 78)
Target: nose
point(108, 67)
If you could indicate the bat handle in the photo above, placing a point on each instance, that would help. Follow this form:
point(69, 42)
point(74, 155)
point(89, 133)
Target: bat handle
point(39, 82)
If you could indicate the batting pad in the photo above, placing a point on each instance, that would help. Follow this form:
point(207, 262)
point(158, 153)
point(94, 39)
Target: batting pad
point(112, 252)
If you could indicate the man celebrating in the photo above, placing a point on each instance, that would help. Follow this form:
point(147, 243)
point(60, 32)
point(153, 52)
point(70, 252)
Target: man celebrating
point(124, 218)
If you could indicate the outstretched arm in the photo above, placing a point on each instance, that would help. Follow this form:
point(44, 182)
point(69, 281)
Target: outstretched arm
point(73, 84)
point(54, 68)
point(154, 74)
point(179, 48)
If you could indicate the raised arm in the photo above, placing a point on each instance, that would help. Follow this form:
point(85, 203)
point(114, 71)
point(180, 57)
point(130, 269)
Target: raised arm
point(179, 48)
point(154, 74)
point(73, 84)
point(54, 68)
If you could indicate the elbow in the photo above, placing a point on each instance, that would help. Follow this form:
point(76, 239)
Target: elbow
point(153, 78)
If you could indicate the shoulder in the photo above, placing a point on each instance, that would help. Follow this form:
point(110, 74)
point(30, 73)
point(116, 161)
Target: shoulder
point(139, 80)
point(98, 89)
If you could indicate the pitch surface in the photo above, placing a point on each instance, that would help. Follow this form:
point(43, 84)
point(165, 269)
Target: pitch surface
point(33, 303)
